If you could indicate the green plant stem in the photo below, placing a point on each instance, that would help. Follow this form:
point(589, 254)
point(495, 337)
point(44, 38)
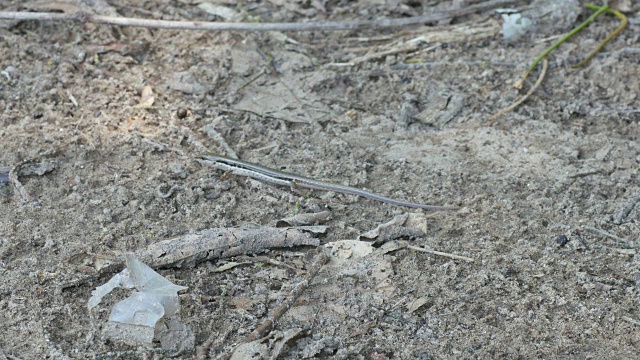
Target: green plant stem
point(601, 9)
point(623, 25)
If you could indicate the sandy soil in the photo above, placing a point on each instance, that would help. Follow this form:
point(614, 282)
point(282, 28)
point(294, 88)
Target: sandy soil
point(540, 187)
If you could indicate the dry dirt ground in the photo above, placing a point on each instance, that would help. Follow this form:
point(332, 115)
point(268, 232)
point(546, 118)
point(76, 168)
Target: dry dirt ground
point(548, 192)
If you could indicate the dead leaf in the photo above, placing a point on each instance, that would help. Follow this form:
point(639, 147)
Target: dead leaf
point(416, 304)
point(418, 221)
point(392, 246)
point(229, 266)
point(186, 82)
point(286, 337)
point(396, 221)
point(343, 249)
point(244, 303)
point(251, 350)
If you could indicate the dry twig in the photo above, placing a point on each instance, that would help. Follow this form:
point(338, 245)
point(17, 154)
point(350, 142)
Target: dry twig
point(623, 24)
point(204, 245)
point(440, 253)
point(299, 288)
point(625, 210)
point(545, 66)
point(609, 235)
point(84, 17)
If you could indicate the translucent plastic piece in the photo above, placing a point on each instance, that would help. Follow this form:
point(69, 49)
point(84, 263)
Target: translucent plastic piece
point(135, 318)
point(121, 279)
point(514, 25)
point(145, 279)
point(139, 309)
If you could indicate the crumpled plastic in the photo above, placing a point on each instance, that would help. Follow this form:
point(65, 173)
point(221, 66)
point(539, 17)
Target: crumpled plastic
point(148, 313)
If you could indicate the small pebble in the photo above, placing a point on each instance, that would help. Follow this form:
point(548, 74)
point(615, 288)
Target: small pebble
point(211, 195)
point(562, 240)
point(178, 170)
point(182, 113)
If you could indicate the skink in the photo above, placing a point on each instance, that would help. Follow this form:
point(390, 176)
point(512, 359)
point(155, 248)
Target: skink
point(238, 167)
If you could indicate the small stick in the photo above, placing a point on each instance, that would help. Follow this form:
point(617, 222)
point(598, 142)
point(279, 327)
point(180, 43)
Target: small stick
point(220, 26)
point(600, 9)
point(251, 81)
point(262, 330)
point(630, 320)
point(545, 66)
point(93, 146)
point(625, 211)
point(440, 253)
point(299, 288)
point(72, 98)
point(202, 352)
point(605, 234)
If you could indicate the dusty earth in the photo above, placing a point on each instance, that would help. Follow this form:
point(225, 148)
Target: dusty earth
point(548, 192)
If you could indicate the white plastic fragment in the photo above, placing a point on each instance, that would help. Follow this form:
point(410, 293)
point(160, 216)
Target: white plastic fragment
point(137, 319)
point(514, 24)
point(7, 72)
point(140, 308)
point(118, 280)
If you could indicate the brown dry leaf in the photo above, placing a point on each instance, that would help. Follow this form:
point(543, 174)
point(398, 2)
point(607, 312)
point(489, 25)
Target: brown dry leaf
point(251, 350)
point(147, 98)
point(343, 250)
point(416, 304)
point(286, 337)
point(392, 246)
point(244, 303)
point(229, 266)
point(398, 220)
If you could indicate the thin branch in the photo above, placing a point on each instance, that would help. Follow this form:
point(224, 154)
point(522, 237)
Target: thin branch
point(262, 330)
point(608, 234)
point(630, 320)
point(440, 253)
point(318, 262)
point(544, 54)
point(623, 24)
point(625, 211)
point(83, 17)
point(545, 66)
